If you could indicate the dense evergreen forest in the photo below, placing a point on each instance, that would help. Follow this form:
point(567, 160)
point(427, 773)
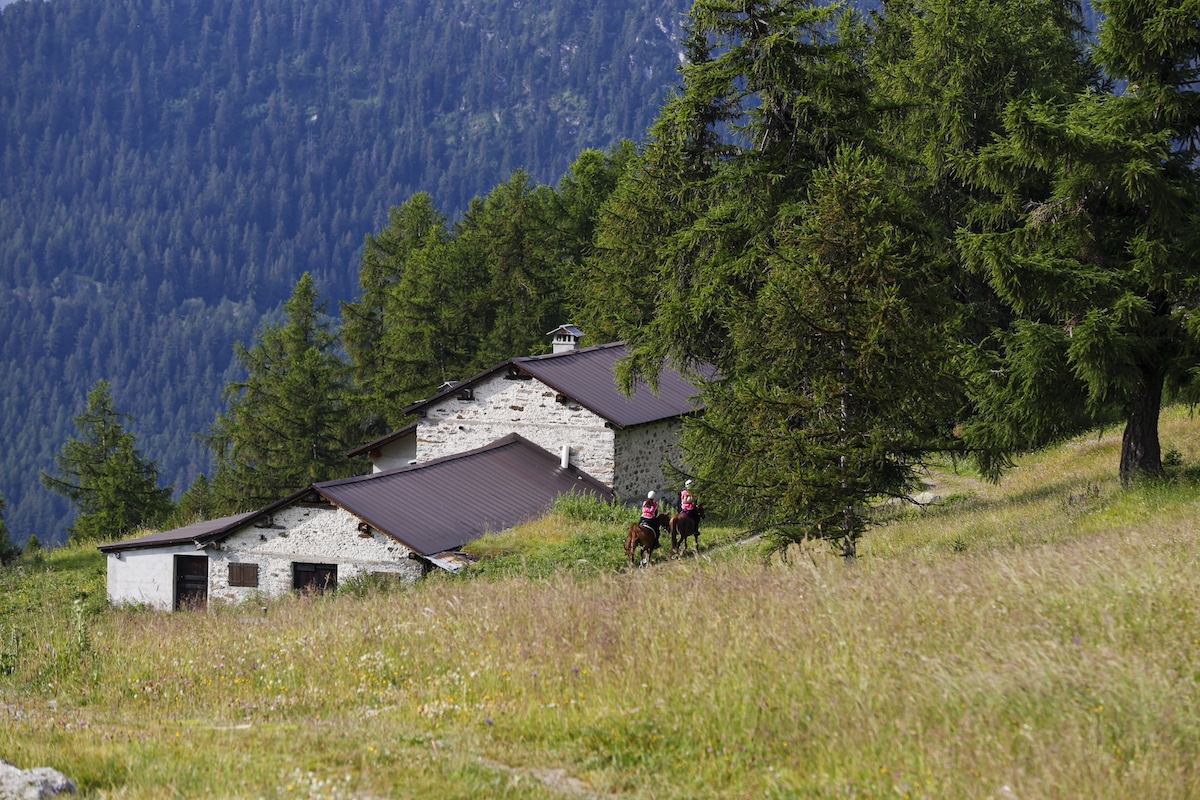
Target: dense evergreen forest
point(169, 168)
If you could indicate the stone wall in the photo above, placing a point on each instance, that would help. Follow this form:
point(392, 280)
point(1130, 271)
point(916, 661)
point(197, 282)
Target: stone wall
point(501, 406)
point(305, 535)
point(640, 456)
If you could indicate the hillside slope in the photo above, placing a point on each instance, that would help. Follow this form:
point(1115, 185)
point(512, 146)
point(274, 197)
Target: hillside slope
point(1031, 639)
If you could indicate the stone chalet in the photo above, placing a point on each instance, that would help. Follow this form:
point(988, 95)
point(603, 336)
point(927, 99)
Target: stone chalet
point(566, 402)
point(483, 456)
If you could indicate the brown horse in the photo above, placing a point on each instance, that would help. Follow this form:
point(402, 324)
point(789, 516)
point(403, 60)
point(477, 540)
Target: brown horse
point(684, 525)
point(644, 538)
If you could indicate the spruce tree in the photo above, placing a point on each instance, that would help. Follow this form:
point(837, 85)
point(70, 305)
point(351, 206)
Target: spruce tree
point(287, 424)
point(101, 471)
point(1100, 271)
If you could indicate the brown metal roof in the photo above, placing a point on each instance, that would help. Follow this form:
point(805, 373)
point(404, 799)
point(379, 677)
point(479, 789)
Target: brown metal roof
point(443, 504)
point(586, 377)
point(381, 441)
point(432, 507)
point(189, 534)
point(202, 533)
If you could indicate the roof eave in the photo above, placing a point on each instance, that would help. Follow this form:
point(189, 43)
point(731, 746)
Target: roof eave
point(375, 444)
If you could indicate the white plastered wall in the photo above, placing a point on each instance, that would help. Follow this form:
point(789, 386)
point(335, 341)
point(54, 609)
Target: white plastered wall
point(527, 407)
point(306, 535)
point(145, 576)
point(396, 454)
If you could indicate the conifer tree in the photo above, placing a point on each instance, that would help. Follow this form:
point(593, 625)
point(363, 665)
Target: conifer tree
point(8, 551)
point(787, 264)
point(509, 240)
point(391, 333)
point(748, 129)
point(1101, 269)
point(841, 383)
point(287, 424)
point(113, 488)
point(197, 504)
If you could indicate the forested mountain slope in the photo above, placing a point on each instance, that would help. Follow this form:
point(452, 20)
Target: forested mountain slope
point(168, 169)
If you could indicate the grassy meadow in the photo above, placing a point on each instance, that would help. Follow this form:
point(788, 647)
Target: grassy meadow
point(1039, 638)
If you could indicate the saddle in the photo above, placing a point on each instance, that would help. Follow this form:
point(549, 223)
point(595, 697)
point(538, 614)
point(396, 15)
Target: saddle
point(648, 524)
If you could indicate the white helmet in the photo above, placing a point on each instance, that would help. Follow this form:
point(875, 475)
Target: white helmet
point(650, 495)
point(687, 483)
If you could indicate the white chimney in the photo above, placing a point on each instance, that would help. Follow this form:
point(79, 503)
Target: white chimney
point(566, 338)
point(565, 461)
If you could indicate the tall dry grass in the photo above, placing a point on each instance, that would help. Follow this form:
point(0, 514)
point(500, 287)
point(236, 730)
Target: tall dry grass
point(1036, 639)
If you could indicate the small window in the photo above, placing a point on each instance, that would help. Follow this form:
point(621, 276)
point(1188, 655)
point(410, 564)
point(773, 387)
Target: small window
point(243, 574)
point(314, 578)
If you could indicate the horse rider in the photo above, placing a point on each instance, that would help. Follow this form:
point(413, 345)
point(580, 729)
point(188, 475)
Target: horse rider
point(649, 519)
point(687, 503)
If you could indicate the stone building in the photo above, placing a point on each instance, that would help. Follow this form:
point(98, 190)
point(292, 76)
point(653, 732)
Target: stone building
point(483, 455)
point(566, 402)
point(400, 523)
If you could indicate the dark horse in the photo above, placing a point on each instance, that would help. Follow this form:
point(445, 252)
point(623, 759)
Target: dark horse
point(645, 538)
point(684, 525)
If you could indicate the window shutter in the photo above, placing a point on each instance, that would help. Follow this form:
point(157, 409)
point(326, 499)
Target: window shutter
point(243, 574)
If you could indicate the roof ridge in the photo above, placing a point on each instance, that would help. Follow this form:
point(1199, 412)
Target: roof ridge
point(565, 354)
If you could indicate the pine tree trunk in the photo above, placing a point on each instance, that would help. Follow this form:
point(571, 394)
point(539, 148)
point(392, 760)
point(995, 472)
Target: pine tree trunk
point(1141, 453)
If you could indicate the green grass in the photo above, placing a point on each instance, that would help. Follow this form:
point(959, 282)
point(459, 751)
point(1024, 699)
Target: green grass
point(1036, 638)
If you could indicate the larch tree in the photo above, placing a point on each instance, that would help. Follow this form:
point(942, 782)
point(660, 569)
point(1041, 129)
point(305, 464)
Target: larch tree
point(114, 489)
point(791, 263)
point(842, 383)
point(1100, 272)
point(391, 332)
point(288, 423)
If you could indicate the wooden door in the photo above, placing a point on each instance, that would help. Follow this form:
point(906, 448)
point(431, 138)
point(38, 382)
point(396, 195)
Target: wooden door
point(191, 582)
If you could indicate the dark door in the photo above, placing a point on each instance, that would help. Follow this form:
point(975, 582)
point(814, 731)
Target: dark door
point(191, 582)
point(314, 578)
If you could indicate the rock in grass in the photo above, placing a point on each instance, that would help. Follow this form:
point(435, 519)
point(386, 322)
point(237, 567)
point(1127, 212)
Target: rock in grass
point(32, 784)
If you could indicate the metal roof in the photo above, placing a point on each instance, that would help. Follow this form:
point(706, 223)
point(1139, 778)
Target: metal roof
point(186, 535)
point(586, 377)
point(442, 504)
point(430, 508)
point(375, 444)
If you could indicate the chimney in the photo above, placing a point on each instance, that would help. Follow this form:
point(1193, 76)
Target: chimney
point(566, 338)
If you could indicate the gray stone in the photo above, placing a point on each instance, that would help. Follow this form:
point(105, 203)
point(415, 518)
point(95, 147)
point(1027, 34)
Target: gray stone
point(32, 784)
